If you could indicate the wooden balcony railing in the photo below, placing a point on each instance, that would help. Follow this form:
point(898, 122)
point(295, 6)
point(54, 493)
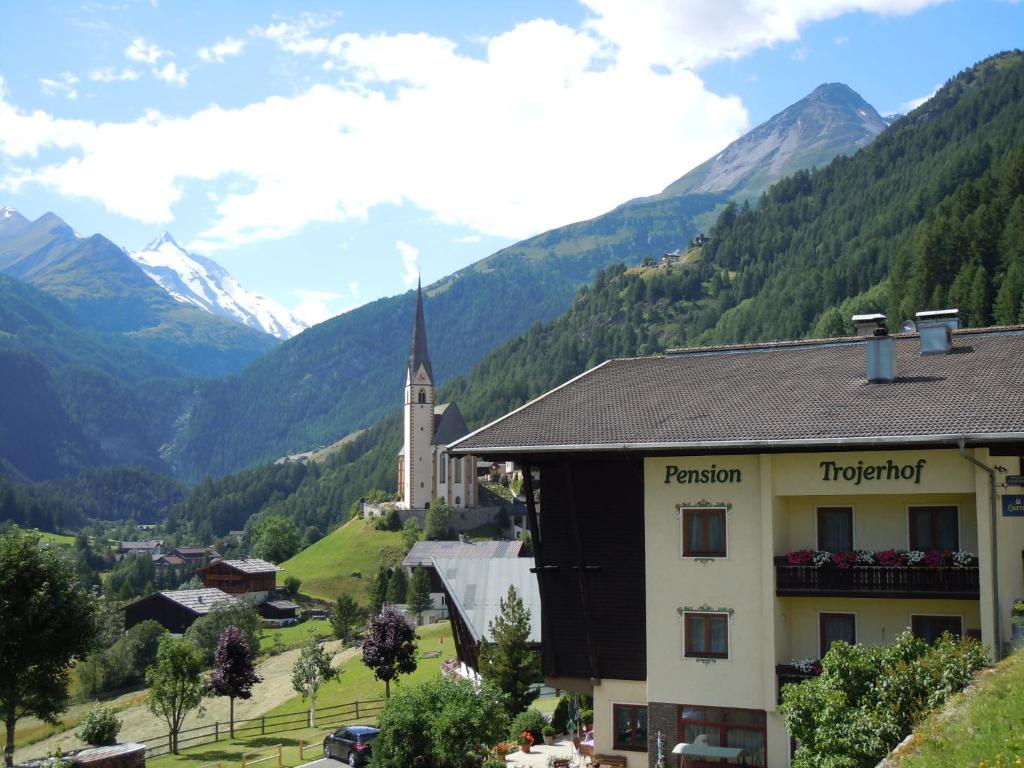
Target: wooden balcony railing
point(875, 581)
point(787, 673)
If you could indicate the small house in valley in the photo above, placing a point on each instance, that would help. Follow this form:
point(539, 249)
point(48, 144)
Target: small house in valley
point(175, 610)
point(253, 577)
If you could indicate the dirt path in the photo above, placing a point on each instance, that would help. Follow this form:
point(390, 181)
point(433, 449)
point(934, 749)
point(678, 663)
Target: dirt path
point(139, 722)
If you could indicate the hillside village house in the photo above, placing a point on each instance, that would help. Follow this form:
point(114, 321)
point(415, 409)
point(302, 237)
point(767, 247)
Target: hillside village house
point(252, 577)
point(175, 610)
point(688, 498)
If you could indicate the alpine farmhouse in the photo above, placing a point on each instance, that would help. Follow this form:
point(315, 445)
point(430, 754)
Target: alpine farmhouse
point(713, 519)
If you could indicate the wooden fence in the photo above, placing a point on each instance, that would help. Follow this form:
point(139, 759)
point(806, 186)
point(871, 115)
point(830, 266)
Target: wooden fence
point(327, 717)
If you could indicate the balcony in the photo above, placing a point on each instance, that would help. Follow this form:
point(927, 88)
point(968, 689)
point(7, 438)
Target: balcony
point(787, 673)
point(944, 582)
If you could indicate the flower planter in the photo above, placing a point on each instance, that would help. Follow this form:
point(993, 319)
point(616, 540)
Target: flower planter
point(525, 747)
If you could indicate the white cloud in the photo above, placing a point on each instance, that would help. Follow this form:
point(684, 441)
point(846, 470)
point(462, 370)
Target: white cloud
point(170, 73)
point(410, 255)
point(143, 52)
point(316, 306)
point(218, 52)
point(800, 54)
point(912, 104)
point(467, 239)
point(64, 85)
point(842, 40)
point(549, 124)
point(112, 75)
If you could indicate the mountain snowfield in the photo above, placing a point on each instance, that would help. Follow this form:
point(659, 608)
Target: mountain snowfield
point(197, 280)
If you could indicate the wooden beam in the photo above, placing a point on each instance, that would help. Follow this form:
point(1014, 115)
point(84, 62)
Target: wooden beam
point(581, 570)
point(538, 560)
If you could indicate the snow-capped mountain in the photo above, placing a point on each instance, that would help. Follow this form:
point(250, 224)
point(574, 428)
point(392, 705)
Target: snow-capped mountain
point(195, 279)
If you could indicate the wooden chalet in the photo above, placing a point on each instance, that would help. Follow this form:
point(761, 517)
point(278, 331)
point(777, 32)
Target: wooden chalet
point(175, 610)
point(241, 577)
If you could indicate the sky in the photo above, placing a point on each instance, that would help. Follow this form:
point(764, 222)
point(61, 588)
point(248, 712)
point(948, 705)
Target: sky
point(328, 153)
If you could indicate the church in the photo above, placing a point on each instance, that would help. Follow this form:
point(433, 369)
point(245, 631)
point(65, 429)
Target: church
point(426, 470)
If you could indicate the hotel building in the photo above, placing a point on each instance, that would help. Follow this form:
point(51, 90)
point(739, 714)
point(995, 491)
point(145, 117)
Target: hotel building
point(685, 497)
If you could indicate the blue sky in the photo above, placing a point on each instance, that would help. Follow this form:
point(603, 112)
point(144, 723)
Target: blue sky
point(327, 152)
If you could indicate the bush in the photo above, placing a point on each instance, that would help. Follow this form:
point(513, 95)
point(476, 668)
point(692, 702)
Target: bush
point(441, 722)
point(100, 727)
point(560, 717)
point(389, 522)
point(292, 585)
point(531, 720)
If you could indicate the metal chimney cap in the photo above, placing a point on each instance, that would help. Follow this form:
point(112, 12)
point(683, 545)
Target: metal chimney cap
point(869, 325)
point(877, 317)
point(938, 314)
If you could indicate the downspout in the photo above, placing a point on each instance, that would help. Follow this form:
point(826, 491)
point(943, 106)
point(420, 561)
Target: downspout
point(997, 650)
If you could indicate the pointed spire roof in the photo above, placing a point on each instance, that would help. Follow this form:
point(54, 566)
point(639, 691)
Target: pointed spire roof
point(418, 355)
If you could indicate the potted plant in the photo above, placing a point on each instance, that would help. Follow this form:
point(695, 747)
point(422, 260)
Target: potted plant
point(525, 740)
point(549, 734)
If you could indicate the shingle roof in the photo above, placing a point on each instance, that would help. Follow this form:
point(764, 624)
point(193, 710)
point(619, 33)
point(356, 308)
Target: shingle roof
point(142, 545)
point(250, 565)
point(775, 394)
point(477, 587)
point(422, 551)
point(199, 600)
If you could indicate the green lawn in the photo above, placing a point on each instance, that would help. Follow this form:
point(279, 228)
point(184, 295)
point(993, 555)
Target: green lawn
point(229, 752)
point(327, 566)
point(292, 637)
point(980, 728)
point(357, 683)
point(56, 538)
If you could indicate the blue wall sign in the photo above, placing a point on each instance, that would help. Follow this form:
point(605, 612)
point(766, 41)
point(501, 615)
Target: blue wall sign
point(1013, 506)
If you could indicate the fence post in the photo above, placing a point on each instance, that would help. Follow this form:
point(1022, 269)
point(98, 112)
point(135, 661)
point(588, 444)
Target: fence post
point(280, 755)
point(263, 727)
point(357, 709)
point(216, 731)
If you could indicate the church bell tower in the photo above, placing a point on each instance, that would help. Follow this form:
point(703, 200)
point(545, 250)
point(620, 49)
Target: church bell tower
point(418, 456)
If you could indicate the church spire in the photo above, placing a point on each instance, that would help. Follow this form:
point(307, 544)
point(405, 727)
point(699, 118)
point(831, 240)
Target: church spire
point(418, 355)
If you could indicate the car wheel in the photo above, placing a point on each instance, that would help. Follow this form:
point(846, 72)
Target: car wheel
point(352, 758)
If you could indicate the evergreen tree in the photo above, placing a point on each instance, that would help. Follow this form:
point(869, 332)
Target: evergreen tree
point(420, 599)
point(397, 586)
point(507, 659)
point(379, 591)
point(347, 613)
point(410, 532)
point(233, 672)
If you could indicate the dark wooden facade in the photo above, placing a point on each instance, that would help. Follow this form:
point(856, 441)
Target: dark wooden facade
point(589, 552)
point(220, 575)
point(175, 617)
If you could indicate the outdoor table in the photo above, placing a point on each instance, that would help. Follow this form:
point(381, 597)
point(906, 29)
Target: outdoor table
point(703, 750)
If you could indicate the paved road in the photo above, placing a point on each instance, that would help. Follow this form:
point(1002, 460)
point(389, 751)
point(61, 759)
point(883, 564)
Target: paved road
point(323, 762)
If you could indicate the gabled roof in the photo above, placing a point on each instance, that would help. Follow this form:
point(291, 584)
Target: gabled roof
point(449, 425)
point(423, 551)
point(199, 601)
point(477, 587)
point(418, 354)
point(142, 545)
point(249, 565)
point(196, 551)
point(789, 394)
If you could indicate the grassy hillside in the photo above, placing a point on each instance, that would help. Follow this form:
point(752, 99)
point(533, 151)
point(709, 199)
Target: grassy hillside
point(327, 566)
point(979, 728)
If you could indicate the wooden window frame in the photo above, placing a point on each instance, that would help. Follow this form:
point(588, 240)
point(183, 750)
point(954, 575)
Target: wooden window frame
point(822, 650)
point(705, 512)
point(916, 617)
point(912, 534)
point(819, 510)
point(709, 617)
point(633, 709)
point(724, 726)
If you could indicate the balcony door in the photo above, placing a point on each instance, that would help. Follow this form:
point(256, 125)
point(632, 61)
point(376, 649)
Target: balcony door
point(934, 528)
point(836, 626)
point(835, 529)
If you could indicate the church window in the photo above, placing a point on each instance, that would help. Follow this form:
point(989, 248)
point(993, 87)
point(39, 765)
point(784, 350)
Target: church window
point(423, 396)
point(442, 470)
point(458, 470)
point(458, 500)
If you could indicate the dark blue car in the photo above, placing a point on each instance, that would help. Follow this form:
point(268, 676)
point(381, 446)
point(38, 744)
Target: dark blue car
point(351, 744)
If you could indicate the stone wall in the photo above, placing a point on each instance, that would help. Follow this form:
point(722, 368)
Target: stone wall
point(664, 718)
point(462, 519)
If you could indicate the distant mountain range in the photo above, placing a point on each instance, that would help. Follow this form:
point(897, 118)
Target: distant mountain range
point(198, 280)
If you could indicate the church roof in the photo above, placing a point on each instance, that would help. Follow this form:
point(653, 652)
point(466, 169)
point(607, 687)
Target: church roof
point(449, 425)
point(418, 354)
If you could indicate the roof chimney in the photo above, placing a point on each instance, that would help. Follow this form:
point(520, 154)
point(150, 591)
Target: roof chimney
point(881, 357)
point(935, 327)
point(866, 325)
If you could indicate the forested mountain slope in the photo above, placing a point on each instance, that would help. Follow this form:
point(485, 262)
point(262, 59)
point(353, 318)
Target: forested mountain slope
point(346, 373)
point(931, 214)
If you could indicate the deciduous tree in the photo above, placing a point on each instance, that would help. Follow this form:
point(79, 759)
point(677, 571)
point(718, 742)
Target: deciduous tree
point(234, 673)
point(175, 684)
point(48, 621)
point(312, 669)
point(390, 648)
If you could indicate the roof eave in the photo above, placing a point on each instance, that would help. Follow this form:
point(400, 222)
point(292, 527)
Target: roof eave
point(952, 438)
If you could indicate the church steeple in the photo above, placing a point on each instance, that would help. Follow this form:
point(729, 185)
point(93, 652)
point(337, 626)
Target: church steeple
point(418, 355)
